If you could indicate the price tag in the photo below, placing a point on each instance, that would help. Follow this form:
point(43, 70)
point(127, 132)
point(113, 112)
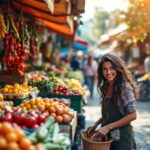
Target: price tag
point(33, 95)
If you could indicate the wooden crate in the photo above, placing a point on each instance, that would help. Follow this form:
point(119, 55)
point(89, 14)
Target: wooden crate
point(70, 128)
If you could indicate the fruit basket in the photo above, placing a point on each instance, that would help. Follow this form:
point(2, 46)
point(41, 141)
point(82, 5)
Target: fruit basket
point(20, 98)
point(8, 96)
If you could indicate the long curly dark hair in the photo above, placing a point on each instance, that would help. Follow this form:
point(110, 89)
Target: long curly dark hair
point(123, 76)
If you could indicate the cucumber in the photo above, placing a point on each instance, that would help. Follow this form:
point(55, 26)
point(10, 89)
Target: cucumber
point(52, 146)
point(55, 130)
point(42, 133)
point(32, 137)
point(49, 135)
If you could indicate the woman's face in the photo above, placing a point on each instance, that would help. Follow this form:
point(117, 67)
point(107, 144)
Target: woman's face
point(109, 71)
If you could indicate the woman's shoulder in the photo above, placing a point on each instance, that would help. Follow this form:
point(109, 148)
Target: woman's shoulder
point(127, 86)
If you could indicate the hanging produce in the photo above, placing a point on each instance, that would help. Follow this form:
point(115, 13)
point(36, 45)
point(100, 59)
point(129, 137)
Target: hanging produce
point(2, 27)
point(16, 46)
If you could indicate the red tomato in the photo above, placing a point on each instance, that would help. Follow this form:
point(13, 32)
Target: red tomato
point(41, 119)
point(8, 118)
point(30, 122)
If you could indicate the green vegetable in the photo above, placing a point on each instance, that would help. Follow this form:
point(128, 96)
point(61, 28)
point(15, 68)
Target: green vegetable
point(52, 146)
point(55, 130)
point(32, 137)
point(49, 135)
point(41, 134)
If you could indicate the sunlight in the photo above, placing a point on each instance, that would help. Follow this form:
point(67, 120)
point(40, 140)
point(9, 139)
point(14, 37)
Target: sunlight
point(107, 5)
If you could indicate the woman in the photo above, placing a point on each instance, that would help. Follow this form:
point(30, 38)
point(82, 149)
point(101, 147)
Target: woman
point(90, 73)
point(118, 103)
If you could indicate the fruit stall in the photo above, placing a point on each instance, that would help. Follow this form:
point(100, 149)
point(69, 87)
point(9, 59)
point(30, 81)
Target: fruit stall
point(143, 84)
point(38, 109)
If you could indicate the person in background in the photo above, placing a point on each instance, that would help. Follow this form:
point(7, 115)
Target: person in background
point(147, 64)
point(91, 74)
point(75, 65)
point(118, 95)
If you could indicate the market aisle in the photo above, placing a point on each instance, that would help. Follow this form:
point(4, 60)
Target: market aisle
point(141, 125)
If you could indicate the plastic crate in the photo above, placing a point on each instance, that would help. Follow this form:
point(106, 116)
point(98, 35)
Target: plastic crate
point(18, 101)
point(73, 100)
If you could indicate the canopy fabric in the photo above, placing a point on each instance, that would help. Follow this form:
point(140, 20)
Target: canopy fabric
point(58, 19)
point(79, 46)
point(47, 7)
point(61, 29)
point(63, 8)
point(39, 10)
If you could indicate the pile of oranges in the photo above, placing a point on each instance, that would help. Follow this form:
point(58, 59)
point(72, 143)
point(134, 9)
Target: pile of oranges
point(53, 107)
point(13, 138)
point(16, 90)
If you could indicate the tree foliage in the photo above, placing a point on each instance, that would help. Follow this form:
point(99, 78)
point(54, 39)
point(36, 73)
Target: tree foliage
point(137, 17)
point(99, 24)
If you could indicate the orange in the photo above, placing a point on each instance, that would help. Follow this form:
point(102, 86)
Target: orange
point(12, 146)
point(19, 132)
point(3, 142)
point(5, 90)
point(6, 128)
point(52, 110)
point(11, 137)
point(28, 106)
point(25, 144)
point(24, 84)
point(34, 106)
point(1, 97)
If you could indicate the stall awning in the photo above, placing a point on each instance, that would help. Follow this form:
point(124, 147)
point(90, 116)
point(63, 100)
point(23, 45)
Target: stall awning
point(39, 10)
point(80, 44)
point(41, 6)
point(62, 29)
point(56, 16)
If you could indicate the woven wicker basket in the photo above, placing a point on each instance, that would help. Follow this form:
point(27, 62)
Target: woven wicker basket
point(88, 144)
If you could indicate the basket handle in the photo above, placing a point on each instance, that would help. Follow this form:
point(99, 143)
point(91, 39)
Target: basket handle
point(95, 136)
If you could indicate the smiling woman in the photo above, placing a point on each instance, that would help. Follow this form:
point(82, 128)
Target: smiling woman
point(118, 103)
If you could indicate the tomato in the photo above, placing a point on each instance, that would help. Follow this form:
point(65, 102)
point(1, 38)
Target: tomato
point(30, 121)
point(19, 118)
point(41, 119)
point(36, 126)
point(33, 113)
point(25, 52)
point(20, 73)
point(8, 118)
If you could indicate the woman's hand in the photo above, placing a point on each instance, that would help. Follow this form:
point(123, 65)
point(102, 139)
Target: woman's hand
point(90, 129)
point(102, 132)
